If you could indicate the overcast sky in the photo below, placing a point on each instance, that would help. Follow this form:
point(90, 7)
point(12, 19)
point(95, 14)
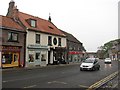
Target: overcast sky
point(92, 22)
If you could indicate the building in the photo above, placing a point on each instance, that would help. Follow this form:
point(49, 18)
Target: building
point(114, 51)
point(45, 43)
point(75, 49)
point(12, 48)
point(91, 54)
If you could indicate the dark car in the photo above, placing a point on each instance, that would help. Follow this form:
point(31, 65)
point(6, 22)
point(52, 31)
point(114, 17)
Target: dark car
point(90, 64)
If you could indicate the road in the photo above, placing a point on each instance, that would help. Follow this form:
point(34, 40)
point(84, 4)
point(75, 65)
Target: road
point(62, 76)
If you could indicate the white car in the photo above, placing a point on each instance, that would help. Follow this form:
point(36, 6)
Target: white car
point(90, 64)
point(108, 60)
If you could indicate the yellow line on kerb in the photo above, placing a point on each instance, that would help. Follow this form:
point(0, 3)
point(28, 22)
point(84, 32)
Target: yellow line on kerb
point(99, 83)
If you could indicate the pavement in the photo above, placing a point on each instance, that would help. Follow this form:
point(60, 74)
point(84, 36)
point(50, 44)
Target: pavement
point(36, 67)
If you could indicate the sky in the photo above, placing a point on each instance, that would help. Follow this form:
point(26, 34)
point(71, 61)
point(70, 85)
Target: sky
point(92, 22)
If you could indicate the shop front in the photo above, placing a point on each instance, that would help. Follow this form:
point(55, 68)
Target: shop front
point(10, 56)
point(60, 54)
point(74, 56)
point(57, 55)
point(37, 55)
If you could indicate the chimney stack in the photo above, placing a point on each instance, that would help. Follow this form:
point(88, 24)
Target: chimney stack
point(10, 9)
point(49, 19)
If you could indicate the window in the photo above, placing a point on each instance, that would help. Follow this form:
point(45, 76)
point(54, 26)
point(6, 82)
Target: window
point(12, 36)
point(49, 40)
point(33, 23)
point(37, 56)
point(59, 41)
point(50, 27)
point(38, 38)
point(31, 58)
point(55, 41)
point(43, 57)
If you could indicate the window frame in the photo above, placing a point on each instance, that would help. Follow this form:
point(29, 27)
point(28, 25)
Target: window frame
point(50, 41)
point(59, 41)
point(36, 38)
point(33, 23)
point(37, 56)
point(11, 38)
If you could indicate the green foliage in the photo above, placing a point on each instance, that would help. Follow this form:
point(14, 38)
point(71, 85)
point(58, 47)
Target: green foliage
point(108, 46)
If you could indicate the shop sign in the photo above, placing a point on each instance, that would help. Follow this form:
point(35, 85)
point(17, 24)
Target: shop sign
point(4, 48)
point(37, 46)
point(75, 52)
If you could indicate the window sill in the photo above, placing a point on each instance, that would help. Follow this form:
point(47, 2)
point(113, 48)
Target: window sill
point(13, 41)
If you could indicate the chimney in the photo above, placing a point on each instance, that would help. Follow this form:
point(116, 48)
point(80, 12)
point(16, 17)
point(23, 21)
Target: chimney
point(10, 9)
point(49, 19)
point(15, 13)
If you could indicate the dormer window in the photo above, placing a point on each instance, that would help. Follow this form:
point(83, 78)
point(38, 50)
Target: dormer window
point(33, 23)
point(50, 27)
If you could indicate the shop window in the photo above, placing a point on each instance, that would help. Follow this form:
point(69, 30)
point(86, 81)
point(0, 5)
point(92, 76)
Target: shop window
point(15, 57)
point(7, 58)
point(37, 56)
point(31, 58)
point(12, 36)
point(38, 38)
point(43, 57)
point(50, 40)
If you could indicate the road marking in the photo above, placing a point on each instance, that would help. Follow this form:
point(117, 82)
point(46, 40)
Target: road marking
point(83, 86)
point(57, 82)
point(30, 86)
point(102, 81)
point(4, 81)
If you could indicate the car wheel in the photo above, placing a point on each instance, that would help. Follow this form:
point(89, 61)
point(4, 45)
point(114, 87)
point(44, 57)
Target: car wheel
point(98, 68)
point(80, 69)
point(93, 68)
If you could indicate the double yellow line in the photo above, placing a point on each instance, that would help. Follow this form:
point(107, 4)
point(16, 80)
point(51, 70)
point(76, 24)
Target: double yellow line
point(103, 81)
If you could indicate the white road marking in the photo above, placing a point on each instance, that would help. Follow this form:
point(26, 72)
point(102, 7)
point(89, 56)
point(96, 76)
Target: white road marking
point(83, 86)
point(4, 81)
point(57, 82)
point(30, 86)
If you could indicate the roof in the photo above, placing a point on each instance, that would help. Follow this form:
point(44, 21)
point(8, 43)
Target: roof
point(42, 24)
point(70, 37)
point(8, 22)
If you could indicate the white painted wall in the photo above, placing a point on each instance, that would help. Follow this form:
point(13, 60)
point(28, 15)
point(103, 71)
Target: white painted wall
point(31, 40)
point(44, 39)
point(31, 37)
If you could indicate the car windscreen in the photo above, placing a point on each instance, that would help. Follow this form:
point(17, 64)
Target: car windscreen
point(89, 61)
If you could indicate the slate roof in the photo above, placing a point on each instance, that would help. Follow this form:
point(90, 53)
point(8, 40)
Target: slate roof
point(71, 38)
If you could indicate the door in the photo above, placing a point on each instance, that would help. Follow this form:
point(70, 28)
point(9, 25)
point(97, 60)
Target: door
point(37, 58)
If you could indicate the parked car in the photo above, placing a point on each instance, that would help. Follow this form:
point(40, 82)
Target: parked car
point(90, 64)
point(108, 60)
